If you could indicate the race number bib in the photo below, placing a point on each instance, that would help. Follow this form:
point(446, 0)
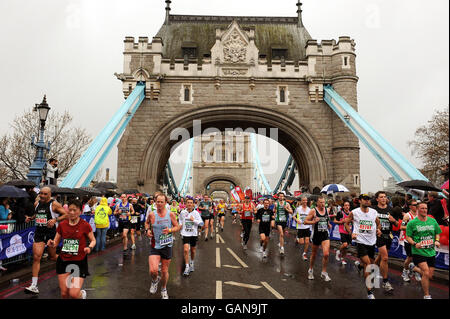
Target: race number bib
point(427, 242)
point(134, 219)
point(282, 218)
point(322, 226)
point(248, 214)
point(266, 218)
point(41, 219)
point(70, 246)
point(365, 227)
point(385, 224)
point(165, 240)
point(189, 226)
point(123, 216)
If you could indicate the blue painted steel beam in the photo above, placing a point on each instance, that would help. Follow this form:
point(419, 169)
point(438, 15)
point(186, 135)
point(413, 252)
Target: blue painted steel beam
point(258, 166)
point(86, 167)
point(395, 163)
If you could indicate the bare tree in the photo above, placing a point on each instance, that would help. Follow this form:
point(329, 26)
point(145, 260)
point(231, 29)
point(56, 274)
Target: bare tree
point(431, 145)
point(67, 143)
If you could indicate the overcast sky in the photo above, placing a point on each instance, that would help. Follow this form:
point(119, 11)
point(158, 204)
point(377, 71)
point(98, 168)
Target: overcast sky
point(70, 49)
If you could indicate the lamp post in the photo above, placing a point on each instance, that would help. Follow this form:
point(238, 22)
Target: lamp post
point(40, 161)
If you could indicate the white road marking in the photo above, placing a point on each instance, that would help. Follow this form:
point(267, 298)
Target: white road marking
point(237, 258)
point(233, 283)
point(273, 291)
point(218, 257)
point(235, 267)
point(219, 238)
point(218, 289)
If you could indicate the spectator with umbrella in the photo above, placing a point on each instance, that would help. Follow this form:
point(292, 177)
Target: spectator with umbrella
point(5, 212)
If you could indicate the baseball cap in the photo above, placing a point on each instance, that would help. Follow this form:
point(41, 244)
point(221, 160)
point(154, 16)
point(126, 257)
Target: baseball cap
point(364, 196)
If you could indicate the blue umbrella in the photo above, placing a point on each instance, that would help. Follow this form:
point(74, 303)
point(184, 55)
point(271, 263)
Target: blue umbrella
point(334, 188)
point(12, 191)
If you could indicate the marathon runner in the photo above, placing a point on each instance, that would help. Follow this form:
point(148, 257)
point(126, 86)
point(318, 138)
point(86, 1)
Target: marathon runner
point(190, 220)
point(264, 216)
point(248, 210)
point(205, 208)
point(346, 239)
point(320, 219)
point(303, 230)
point(124, 209)
point(282, 209)
point(366, 226)
point(74, 233)
point(135, 217)
point(409, 216)
point(46, 211)
point(160, 226)
point(221, 214)
point(384, 241)
point(234, 210)
point(422, 233)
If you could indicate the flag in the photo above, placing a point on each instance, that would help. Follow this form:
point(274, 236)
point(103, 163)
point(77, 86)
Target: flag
point(297, 193)
point(240, 193)
point(235, 195)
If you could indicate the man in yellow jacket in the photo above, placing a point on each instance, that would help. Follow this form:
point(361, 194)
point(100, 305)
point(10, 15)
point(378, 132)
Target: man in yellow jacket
point(102, 213)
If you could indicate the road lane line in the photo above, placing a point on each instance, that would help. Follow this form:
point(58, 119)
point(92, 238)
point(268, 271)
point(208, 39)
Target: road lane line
point(218, 289)
point(237, 258)
point(235, 267)
point(218, 257)
point(219, 238)
point(273, 291)
point(239, 284)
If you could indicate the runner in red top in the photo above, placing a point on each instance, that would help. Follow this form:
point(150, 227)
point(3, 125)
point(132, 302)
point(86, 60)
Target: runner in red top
point(72, 261)
point(248, 209)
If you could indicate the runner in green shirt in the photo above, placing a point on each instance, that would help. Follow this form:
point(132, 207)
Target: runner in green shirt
point(423, 235)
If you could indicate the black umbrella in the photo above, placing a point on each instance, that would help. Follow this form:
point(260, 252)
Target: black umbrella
point(419, 184)
point(131, 191)
point(12, 191)
point(93, 191)
point(106, 185)
point(21, 183)
point(60, 190)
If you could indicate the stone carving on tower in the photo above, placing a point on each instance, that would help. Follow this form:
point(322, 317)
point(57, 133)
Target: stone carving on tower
point(235, 48)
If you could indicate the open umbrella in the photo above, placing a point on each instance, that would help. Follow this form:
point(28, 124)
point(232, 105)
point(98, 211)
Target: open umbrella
point(445, 185)
point(334, 188)
point(60, 190)
point(12, 191)
point(419, 184)
point(21, 183)
point(92, 191)
point(106, 185)
point(130, 191)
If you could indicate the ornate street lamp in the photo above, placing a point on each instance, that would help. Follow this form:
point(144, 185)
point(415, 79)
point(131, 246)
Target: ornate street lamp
point(36, 169)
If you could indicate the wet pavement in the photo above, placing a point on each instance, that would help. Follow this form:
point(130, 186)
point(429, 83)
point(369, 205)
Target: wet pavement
point(223, 270)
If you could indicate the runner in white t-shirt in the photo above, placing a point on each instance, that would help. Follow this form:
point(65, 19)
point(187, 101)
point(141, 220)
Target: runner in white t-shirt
point(303, 231)
point(366, 227)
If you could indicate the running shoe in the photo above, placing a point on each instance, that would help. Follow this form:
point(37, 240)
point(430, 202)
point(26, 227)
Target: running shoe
point(304, 257)
point(344, 262)
point(405, 275)
point(264, 254)
point(133, 246)
point(261, 249)
point(211, 236)
point(245, 246)
point(186, 271)
point(83, 294)
point(242, 235)
point(325, 276)
point(370, 296)
point(281, 250)
point(206, 239)
point(154, 286)
point(164, 294)
point(32, 289)
point(387, 286)
point(338, 253)
point(417, 276)
point(191, 266)
point(427, 297)
point(310, 274)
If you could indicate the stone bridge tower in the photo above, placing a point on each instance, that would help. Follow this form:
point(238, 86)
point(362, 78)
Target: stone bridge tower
point(241, 71)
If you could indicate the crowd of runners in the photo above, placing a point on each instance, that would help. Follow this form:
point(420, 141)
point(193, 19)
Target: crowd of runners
point(368, 226)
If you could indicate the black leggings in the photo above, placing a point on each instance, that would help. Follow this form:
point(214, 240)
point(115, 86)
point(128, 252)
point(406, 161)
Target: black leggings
point(247, 225)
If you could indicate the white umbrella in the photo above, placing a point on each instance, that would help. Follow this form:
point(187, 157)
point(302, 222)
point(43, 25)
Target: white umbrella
point(334, 188)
